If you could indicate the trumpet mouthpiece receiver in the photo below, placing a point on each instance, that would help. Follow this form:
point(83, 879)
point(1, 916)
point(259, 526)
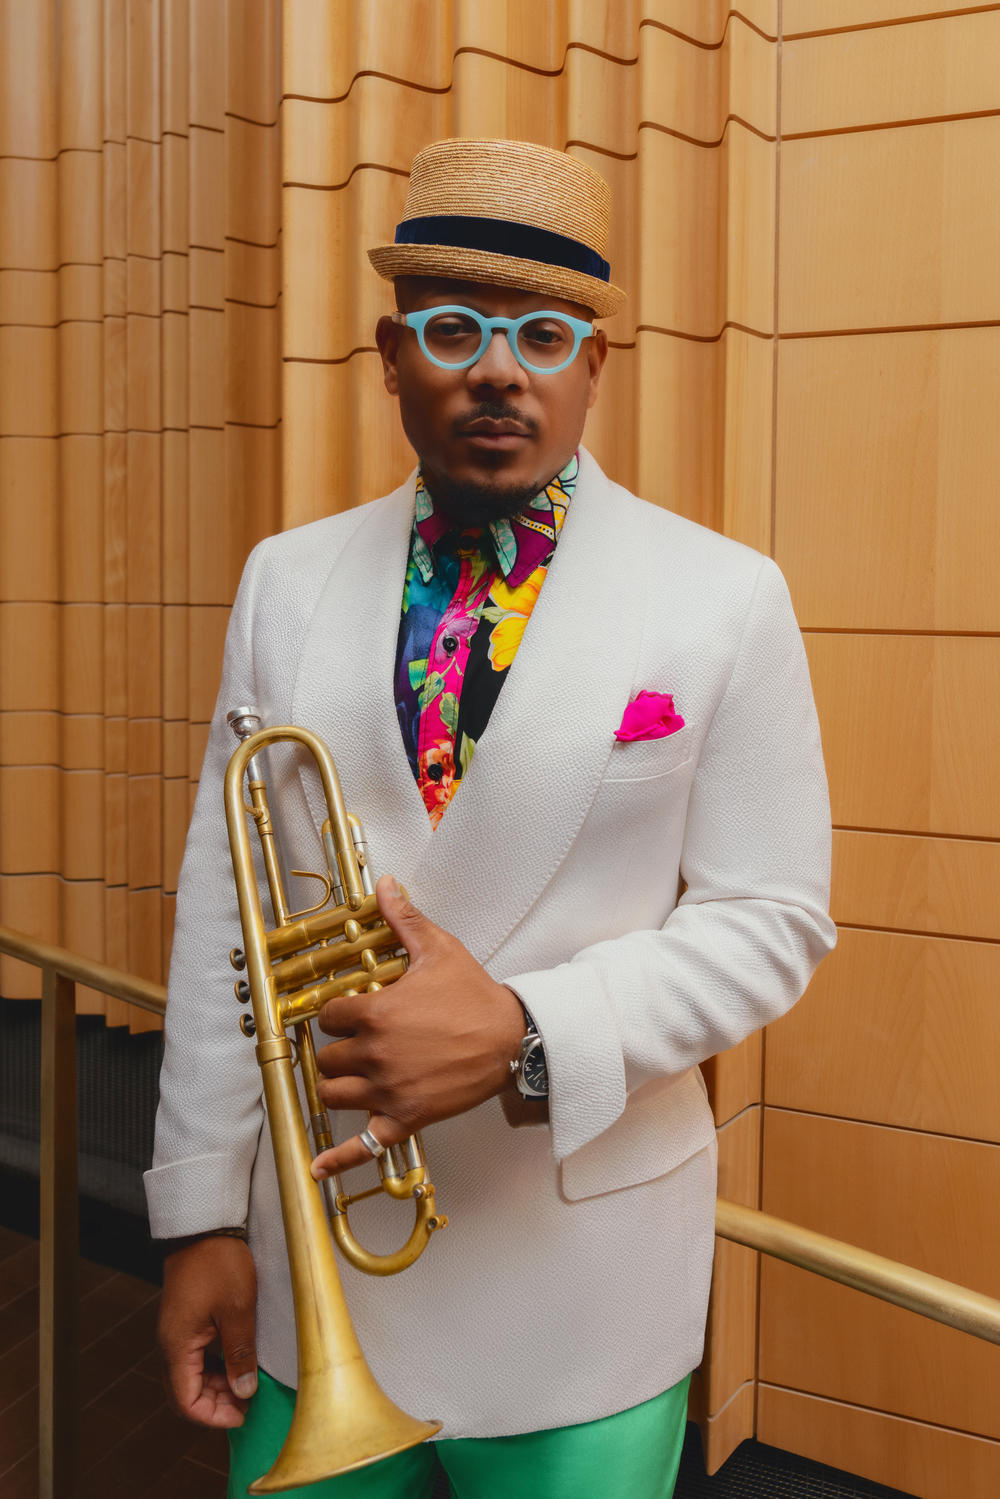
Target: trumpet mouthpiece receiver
point(243, 721)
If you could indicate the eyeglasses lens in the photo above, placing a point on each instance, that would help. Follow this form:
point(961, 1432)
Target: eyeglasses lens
point(545, 342)
point(455, 339)
point(452, 338)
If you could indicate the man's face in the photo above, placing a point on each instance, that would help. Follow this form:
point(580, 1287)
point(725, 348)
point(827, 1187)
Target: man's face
point(491, 436)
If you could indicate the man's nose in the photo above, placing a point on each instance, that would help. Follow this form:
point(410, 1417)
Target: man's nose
point(497, 366)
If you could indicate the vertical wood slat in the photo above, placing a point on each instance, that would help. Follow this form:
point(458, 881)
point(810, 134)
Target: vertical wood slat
point(58, 1242)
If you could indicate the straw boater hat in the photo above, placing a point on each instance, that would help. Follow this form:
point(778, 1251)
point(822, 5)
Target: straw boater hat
point(509, 213)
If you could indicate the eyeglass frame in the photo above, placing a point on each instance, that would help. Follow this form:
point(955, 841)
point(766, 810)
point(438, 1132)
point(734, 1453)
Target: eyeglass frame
point(488, 326)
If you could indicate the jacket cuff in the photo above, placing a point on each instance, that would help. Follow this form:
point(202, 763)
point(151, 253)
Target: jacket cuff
point(583, 1053)
point(194, 1196)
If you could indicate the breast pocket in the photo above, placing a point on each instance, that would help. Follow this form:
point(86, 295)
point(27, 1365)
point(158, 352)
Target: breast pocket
point(645, 759)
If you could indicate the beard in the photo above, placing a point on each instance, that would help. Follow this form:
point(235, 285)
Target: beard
point(477, 502)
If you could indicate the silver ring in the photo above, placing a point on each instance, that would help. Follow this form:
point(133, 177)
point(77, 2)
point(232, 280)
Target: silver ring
point(370, 1143)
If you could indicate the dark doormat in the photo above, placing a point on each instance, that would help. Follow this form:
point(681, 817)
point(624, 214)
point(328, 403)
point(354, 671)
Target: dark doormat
point(755, 1471)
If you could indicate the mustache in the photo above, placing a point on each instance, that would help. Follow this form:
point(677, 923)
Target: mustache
point(495, 411)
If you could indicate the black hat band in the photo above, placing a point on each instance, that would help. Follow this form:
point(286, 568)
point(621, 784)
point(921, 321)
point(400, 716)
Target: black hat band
point(502, 237)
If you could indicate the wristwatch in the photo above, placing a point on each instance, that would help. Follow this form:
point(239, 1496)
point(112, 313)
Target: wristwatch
point(530, 1070)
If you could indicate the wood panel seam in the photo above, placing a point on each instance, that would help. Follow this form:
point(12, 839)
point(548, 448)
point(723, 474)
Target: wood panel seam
point(892, 328)
point(904, 124)
point(877, 1410)
point(891, 634)
point(909, 931)
point(899, 1129)
point(846, 827)
point(914, 20)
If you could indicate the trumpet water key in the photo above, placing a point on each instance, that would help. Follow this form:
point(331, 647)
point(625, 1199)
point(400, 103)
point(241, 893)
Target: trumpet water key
point(342, 945)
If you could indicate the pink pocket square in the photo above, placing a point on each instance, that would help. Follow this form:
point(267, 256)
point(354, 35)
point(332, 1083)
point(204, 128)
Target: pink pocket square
point(650, 715)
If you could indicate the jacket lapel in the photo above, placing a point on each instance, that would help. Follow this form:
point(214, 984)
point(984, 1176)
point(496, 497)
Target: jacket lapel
point(539, 763)
point(344, 687)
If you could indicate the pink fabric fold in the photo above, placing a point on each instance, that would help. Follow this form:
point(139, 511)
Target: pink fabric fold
point(650, 715)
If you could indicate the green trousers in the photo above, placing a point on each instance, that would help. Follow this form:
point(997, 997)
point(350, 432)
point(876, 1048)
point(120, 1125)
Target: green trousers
point(632, 1455)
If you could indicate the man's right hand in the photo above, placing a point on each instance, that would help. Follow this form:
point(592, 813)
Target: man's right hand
point(209, 1293)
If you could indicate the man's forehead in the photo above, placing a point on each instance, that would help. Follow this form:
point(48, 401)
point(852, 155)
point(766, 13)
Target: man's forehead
point(414, 293)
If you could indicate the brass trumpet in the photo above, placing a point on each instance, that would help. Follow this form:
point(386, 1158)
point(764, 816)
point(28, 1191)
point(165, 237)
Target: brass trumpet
point(339, 946)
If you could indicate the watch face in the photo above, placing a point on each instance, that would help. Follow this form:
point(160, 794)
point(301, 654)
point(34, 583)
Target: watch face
point(534, 1072)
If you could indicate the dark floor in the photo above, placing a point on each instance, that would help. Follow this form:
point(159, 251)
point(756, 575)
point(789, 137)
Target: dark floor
point(130, 1441)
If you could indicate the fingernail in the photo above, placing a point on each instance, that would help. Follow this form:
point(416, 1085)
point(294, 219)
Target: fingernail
point(394, 886)
point(245, 1386)
point(318, 1173)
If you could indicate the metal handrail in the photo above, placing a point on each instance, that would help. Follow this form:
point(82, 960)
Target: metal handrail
point(888, 1280)
point(59, 1228)
point(110, 981)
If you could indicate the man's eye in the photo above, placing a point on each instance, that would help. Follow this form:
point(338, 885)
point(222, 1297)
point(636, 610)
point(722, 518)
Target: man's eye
point(544, 335)
point(452, 327)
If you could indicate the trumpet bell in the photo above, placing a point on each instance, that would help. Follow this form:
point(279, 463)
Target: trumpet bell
point(341, 1423)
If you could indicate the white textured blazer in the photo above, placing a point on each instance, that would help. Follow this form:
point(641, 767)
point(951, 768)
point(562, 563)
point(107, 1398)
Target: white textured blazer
point(652, 903)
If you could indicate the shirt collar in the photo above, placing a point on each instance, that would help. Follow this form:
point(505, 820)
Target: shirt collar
point(520, 543)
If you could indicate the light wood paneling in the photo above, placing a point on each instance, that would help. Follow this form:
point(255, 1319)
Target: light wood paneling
point(886, 73)
point(896, 1029)
point(901, 1194)
point(909, 729)
point(923, 1459)
point(114, 325)
point(886, 479)
point(722, 1433)
point(945, 885)
point(905, 204)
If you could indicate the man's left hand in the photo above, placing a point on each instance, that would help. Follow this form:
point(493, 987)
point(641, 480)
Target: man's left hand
point(433, 1044)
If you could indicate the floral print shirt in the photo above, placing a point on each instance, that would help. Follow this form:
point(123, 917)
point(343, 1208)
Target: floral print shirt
point(466, 600)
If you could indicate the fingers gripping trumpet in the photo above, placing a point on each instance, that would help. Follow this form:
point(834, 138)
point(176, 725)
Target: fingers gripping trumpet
point(339, 946)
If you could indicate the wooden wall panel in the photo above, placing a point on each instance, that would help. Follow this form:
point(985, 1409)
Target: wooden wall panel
point(909, 884)
point(947, 66)
point(871, 426)
point(883, 519)
point(900, 1030)
point(909, 203)
point(139, 435)
point(910, 746)
point(924, 1459)
point(899, 1193)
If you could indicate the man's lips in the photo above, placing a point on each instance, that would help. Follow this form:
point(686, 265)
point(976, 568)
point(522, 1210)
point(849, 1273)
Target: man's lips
point(491, 433)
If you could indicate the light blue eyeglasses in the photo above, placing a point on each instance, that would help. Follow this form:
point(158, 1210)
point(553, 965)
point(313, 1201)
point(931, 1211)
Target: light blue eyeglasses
point(455, 337)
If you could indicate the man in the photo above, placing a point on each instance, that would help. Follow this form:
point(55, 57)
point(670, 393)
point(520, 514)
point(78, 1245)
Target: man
point(633, 878)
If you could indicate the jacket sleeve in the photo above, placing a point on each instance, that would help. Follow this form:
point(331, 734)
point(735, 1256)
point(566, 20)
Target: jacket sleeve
point(210, 1112)
point(752, 923)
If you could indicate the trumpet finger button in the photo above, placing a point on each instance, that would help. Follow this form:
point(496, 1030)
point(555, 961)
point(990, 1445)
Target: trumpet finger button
point(242, 991)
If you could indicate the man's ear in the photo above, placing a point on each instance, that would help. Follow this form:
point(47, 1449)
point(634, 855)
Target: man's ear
point(597, 352)
point(387, 335)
